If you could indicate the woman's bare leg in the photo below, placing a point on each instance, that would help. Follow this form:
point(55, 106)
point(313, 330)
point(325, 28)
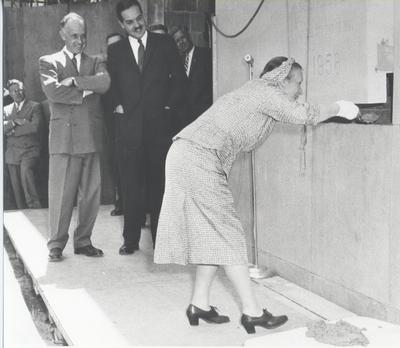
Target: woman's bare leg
point(201, 292)
point(239, 276)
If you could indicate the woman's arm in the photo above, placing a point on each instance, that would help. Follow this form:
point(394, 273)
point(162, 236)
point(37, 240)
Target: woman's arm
point(282, 109)
point(342, 108)
point(328, 111)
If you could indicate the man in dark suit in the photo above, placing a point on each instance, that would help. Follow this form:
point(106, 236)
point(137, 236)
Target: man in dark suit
point(72, 82)
point(147, 84)
point(197, 62)
point(22, 123)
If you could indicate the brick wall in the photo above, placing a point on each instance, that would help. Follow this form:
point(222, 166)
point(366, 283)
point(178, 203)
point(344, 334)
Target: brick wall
point(192, 14)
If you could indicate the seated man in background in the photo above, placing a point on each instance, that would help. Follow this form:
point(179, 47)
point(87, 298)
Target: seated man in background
point(197, 62)
point(22, 121)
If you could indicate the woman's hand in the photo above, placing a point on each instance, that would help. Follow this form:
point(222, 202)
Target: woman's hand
point(347, 109)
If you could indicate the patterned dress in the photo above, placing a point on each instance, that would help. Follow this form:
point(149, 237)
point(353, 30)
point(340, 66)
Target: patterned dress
point(198, 223)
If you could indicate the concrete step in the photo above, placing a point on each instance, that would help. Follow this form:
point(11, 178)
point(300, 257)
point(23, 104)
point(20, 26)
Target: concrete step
point(19, 329)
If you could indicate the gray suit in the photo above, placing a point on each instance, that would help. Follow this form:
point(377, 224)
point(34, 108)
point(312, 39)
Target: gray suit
point(75, 138)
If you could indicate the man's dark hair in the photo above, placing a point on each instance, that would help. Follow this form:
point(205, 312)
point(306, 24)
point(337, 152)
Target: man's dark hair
point(114, 34)
point(158, 27)
point(124, 5)
point(183, 28)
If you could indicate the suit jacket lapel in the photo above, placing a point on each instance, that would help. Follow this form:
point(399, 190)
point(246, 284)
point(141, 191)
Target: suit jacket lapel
point(19, 114)
point(24, 108)
point(85, 67)
point(130, 56)
point(69, 66)
point(13, 110)
point(149, 49)
point(194, 62)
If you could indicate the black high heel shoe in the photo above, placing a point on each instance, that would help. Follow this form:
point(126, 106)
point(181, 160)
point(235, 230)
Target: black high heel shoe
point(194, 314)
point(266, 320)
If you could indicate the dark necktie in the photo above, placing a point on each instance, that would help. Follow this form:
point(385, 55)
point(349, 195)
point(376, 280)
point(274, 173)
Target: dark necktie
point(186, 64)
point(75, 62)
point(140, 54)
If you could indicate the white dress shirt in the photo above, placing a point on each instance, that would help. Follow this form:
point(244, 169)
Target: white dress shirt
point(18, 107)
point(78, 57)
point(190, 54)
point(135, 44)
point(135, 49)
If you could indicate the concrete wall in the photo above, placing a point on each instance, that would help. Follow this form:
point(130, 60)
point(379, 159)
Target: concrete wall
point(342, 47)
point(327, 216)
point(338, 218)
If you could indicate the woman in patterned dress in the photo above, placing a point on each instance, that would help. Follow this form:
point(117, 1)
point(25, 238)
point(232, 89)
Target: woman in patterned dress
point(198, 223)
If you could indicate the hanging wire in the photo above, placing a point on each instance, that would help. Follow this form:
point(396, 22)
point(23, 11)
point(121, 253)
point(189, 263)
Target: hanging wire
point(211, 22)
point(308, 47)
point(288, 28)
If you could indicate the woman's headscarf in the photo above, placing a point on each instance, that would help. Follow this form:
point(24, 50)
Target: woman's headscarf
point(276, 76)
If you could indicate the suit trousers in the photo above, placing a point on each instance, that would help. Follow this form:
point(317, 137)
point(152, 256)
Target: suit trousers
point(141, 166)
point(112, 157)
point(22, 177)
point(70, 177)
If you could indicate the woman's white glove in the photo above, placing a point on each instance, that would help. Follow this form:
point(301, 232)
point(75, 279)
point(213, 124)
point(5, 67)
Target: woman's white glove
point(347, 109)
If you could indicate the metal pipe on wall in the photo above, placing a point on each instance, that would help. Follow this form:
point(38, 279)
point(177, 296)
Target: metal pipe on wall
point(255, 270)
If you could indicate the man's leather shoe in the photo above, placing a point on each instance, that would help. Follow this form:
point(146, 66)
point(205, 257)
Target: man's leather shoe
point(55, 255)
point(127, 250)
point(116, 212)
point(89, 250)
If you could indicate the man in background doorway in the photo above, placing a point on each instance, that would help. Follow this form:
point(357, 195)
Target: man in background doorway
point(197, 62)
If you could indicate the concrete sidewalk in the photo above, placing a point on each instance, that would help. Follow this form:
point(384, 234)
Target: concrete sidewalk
point(129, 301)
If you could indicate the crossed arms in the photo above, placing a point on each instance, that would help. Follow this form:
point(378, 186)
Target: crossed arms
point(72, 90)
